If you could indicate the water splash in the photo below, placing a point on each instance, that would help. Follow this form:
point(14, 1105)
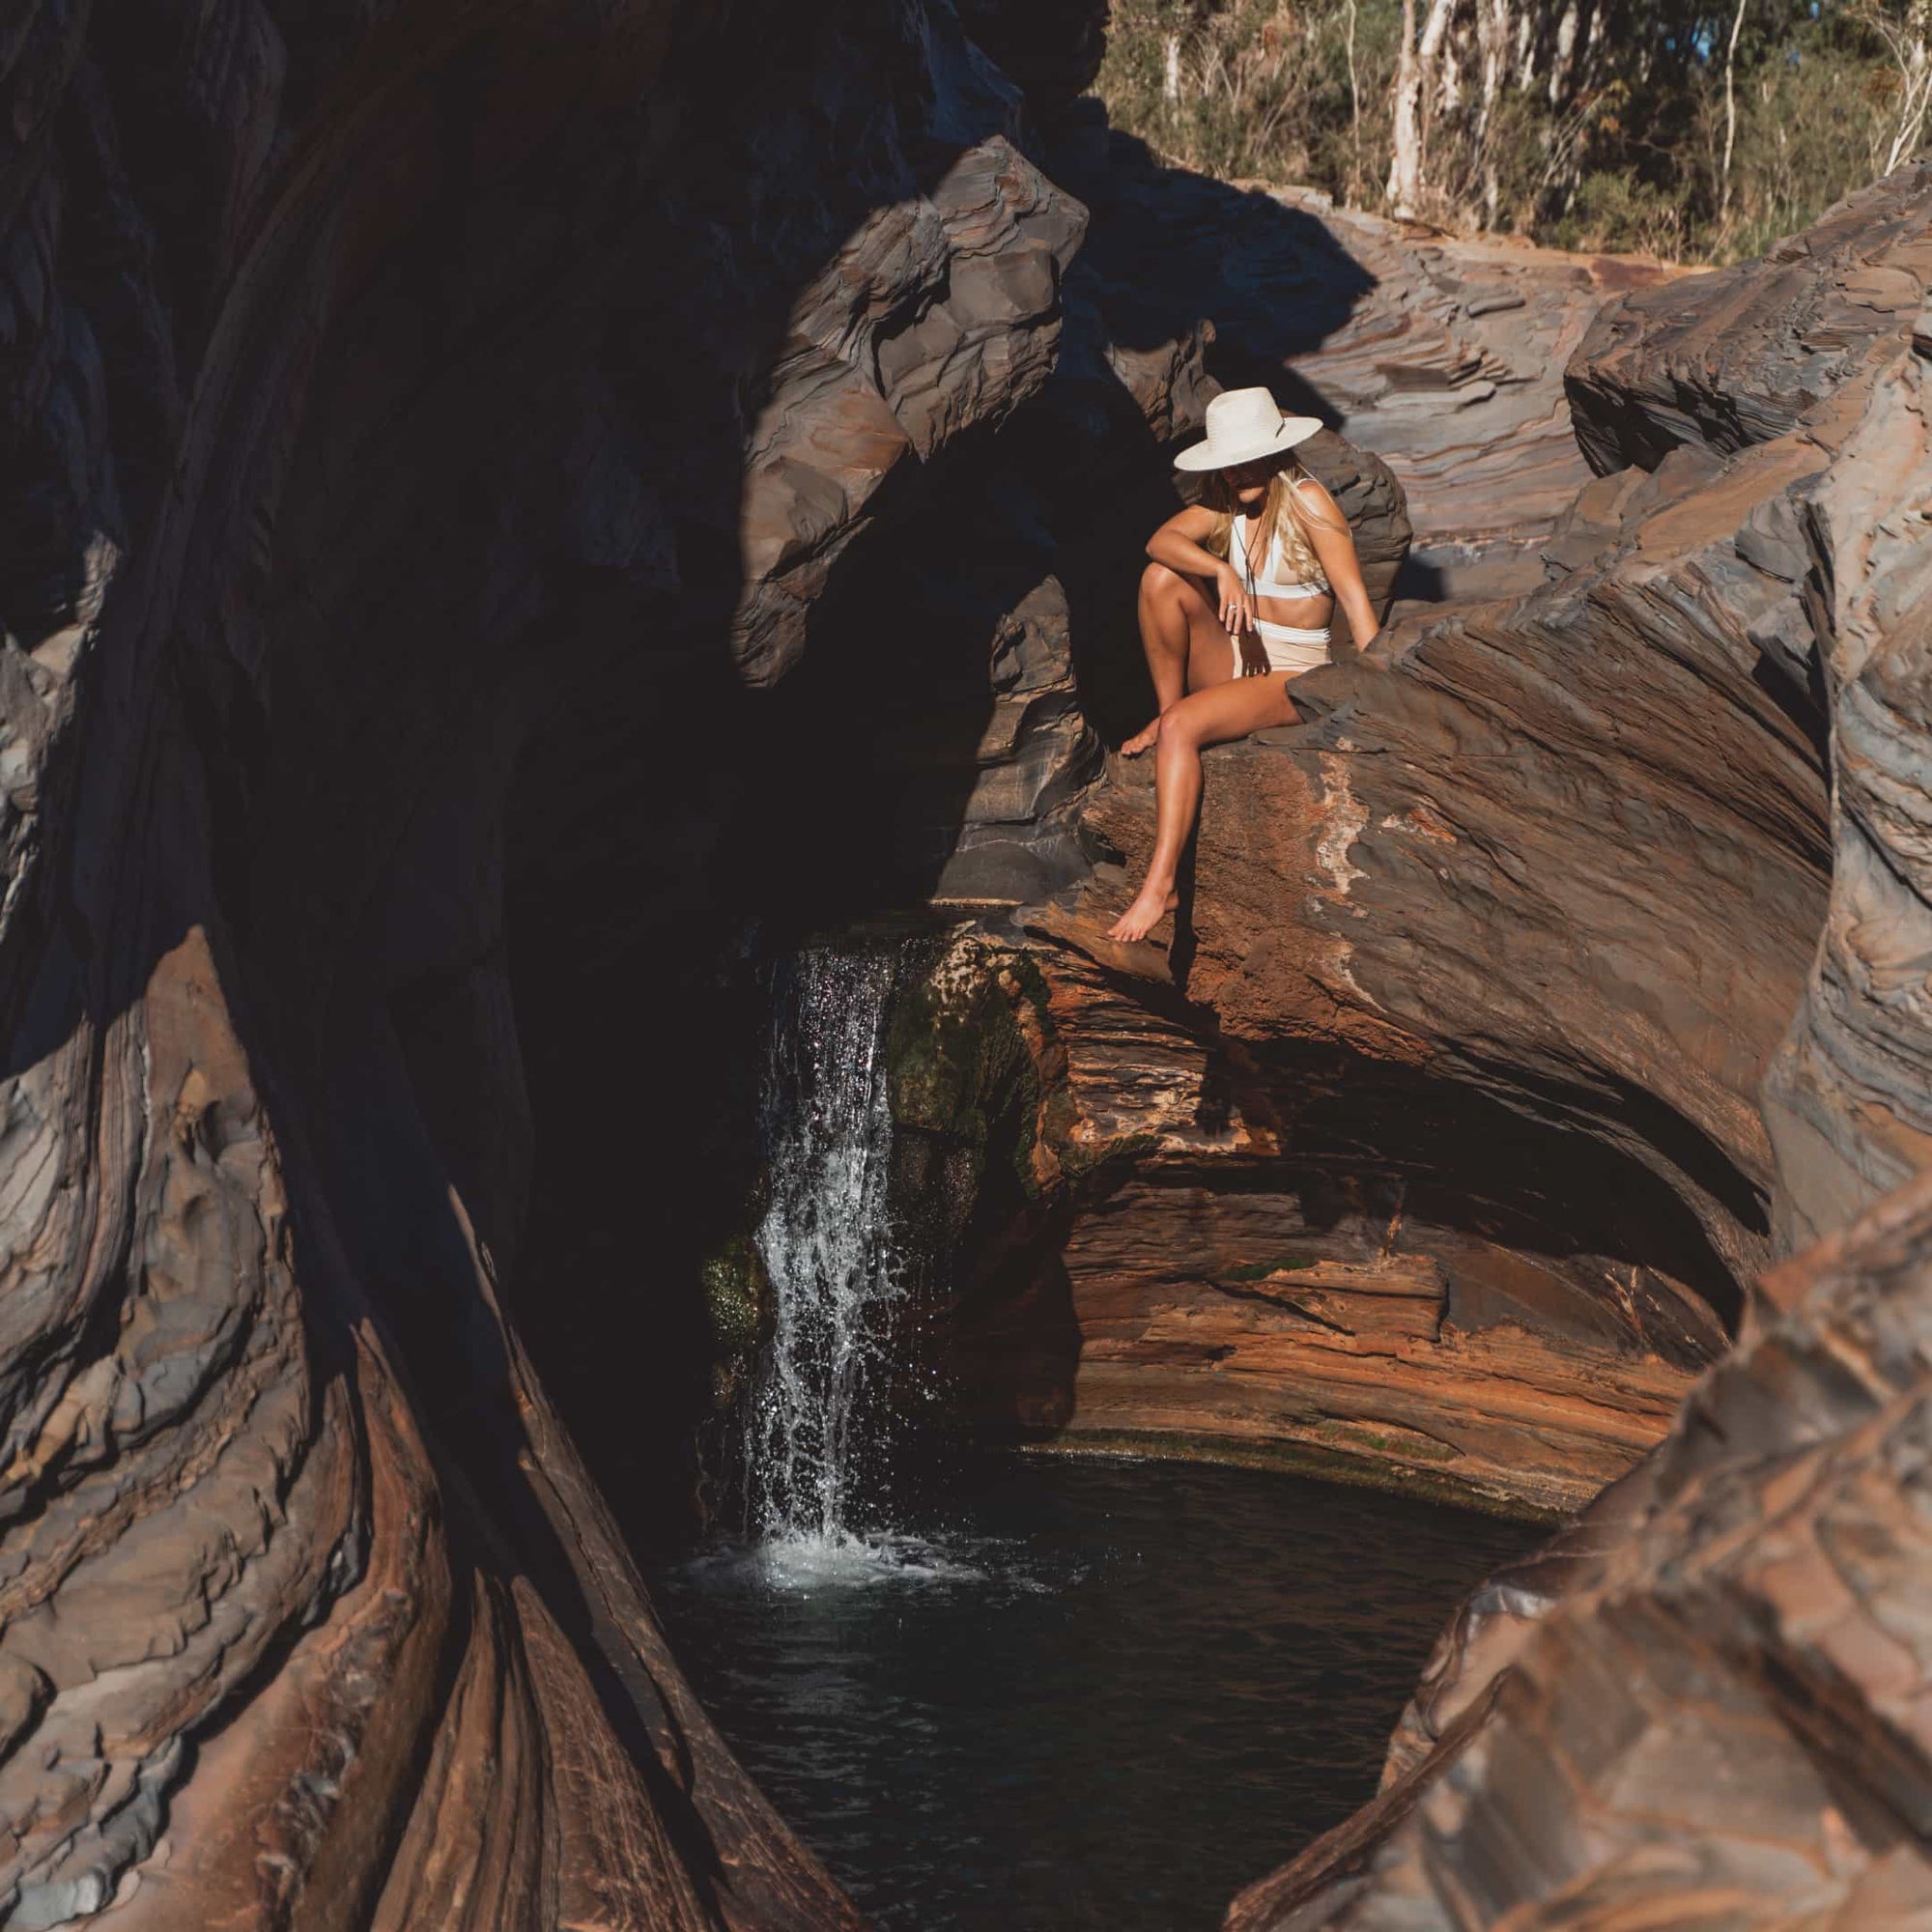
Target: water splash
point(836, 1267)
point(802, 1565)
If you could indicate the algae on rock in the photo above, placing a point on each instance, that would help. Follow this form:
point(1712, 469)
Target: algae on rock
point(738, 1308)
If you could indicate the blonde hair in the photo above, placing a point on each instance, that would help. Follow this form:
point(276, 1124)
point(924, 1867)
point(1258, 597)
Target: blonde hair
point(1284, 515)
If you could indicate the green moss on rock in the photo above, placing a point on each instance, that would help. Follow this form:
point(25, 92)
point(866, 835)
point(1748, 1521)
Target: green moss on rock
point(738, 1305)
point(958, 1063)
point(1260, 1270)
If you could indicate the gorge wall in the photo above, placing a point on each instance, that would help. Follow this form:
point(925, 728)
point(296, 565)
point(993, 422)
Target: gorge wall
point(1704, 1702)
point(1561, 974)
point(385, 390)
point(512, 511)
point(1429, 1151)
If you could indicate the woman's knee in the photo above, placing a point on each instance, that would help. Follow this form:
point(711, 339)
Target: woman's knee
point(1180, 726)
point(1160, 583)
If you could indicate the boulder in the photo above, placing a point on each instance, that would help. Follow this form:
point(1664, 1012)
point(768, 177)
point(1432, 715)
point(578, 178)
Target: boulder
point(1744, 354)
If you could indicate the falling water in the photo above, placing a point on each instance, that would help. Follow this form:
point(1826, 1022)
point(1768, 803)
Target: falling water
point(828, 1246)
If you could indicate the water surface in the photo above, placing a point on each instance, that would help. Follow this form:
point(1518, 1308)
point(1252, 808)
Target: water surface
point(1076, 1694)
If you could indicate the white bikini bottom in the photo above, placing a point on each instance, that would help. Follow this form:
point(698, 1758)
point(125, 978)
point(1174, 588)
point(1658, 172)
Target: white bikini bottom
point(1288, 648)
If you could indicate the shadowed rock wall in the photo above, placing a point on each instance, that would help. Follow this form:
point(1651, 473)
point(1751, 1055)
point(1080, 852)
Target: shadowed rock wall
point(509, 510)
point(391, 399)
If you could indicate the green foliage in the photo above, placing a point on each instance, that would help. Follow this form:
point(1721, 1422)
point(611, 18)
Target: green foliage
point(1617, 213)
point(1258, 88)
point(1599, 125)
point(1816, 114)
point(958, 1064)
point(1260, 1270)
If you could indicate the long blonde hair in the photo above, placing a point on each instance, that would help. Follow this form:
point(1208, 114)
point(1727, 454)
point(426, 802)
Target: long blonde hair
point(1285, 514)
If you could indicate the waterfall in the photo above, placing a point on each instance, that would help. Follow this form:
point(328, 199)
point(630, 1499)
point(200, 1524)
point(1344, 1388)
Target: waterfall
point(828, 1247)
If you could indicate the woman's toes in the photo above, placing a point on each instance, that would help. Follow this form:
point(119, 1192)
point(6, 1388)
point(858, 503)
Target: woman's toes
point(1142, 916)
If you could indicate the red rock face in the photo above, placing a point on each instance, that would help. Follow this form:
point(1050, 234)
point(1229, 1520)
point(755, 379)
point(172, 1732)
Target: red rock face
point(1475, 982)
point(1445, 1364)
point(1284, 1254)
point(1702, 1690)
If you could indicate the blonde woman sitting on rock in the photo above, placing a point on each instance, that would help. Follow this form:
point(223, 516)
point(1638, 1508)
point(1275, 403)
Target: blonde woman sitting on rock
point(1235, 605)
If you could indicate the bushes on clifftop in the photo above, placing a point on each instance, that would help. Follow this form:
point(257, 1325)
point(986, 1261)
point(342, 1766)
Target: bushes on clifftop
point(1647, 125)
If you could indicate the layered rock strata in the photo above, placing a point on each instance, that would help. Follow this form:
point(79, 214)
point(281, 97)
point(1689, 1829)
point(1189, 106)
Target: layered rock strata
point(1178, 1248)
point(1707, 1700)
point(1495, 950)
point(1701, 1699)
point(1562, 861)
point(1443, 355)
point(1451, 367)
point(463, 465)
point(505, 505)
point(391, 398)
point(1498, 951)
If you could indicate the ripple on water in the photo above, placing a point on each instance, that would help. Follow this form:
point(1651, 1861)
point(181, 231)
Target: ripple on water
point(1071, 1694)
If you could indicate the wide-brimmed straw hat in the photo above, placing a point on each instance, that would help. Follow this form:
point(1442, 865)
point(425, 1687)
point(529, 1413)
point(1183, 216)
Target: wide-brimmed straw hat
point(1243, 426)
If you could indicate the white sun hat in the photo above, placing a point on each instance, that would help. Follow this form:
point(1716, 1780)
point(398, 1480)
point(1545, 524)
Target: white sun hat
point(1243, 426)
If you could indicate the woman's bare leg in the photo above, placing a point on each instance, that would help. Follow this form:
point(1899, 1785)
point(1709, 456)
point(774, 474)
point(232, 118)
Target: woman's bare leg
point(1187, 647)
point(1212, 717)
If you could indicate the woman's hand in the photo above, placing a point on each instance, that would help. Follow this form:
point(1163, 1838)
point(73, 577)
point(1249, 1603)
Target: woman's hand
point(1237, 607)
point(1237, 619)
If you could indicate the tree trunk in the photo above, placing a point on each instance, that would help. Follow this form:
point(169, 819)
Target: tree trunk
point(1730, 110)
point(1414, 72)
point(1492, 42)
point(1404, 138)
point(1915, 83)
point(1566, 48)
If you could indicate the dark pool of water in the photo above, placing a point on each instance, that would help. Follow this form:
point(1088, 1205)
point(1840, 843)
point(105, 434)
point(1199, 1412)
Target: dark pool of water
point(1078, 1693)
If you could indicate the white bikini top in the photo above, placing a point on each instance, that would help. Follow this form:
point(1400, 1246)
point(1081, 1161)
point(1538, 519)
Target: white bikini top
point(1272, 584)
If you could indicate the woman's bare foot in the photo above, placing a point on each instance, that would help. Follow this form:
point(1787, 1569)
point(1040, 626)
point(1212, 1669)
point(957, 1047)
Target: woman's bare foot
point(1142, 741)
point(1150, 906)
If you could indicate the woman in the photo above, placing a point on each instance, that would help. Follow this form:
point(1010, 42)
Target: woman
point(1235, 605)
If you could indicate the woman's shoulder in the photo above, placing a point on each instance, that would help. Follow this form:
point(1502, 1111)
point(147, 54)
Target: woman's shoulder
point(1314, 493)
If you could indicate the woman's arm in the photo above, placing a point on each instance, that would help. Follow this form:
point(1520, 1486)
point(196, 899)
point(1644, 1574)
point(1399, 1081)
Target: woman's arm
point(1334, 543)
point(1177, 544)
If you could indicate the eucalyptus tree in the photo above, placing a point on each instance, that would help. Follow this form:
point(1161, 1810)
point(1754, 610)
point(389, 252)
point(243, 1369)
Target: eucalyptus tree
point(1681, 129)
